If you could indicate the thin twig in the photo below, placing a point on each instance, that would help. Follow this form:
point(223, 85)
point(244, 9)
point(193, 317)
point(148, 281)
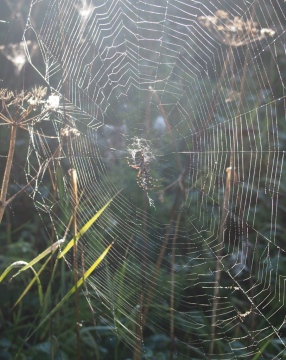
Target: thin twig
point(225, 211)
point(231, 179)
point(172, 302)
point(7, 172)
point(159, 260)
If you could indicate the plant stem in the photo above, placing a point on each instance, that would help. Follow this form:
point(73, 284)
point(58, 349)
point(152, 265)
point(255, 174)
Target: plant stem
point(7, 172)
point(231, 175)
point(74, 202)
point(172, 291)
point(159, 260)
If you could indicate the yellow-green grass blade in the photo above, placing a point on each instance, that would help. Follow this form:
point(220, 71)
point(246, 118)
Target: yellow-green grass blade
point(85, 228)
point(73, 289)
point(10, 267)
point(24, 263)
point(49, 250)
point(36, 277)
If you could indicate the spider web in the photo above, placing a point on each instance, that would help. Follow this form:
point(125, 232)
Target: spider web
point(197, 90)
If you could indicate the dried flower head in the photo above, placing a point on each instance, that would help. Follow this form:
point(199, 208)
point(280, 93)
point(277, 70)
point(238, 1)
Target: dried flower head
point(234, 31)
point(17, 107)
point(19, 98)
point(36, 96)
point(6, 95)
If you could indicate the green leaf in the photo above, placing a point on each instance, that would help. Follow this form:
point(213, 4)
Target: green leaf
point(78, 284)
point(49, 250)
point(10, 267)
point(36, 278)
point(85, 228)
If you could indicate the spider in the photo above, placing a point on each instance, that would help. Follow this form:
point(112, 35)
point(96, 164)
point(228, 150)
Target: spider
point(144, 179)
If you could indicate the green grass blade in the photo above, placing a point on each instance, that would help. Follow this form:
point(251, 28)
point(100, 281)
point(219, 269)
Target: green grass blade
point(10, 267)
point(85, 228)
point(49, 250)
point(36, 278)
point(73, 289)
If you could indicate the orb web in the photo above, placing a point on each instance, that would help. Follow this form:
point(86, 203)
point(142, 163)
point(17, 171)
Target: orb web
point(193, 94)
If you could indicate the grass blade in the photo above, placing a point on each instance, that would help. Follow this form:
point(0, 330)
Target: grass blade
point(84, 228)
point(49, 250)
point(10, 267)
point(73, 289)
point(36, 278)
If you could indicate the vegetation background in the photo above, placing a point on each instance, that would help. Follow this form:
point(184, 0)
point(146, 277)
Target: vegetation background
point(23, 235)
